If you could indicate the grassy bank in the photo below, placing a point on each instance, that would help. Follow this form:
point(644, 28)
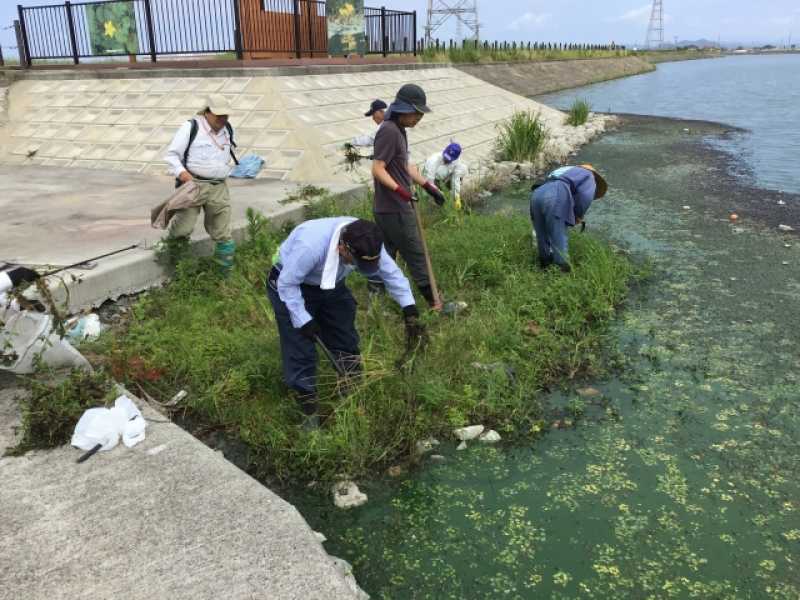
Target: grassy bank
point(519, 54)
point(217, 339)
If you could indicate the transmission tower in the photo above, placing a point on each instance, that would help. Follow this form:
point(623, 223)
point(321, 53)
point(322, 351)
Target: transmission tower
point(655, 30)
point(464, 11)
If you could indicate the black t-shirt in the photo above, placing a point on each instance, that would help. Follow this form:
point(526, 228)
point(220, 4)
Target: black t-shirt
point(391, 147)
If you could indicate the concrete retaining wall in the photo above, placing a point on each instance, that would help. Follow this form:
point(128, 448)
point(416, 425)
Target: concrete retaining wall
point(534, 78)
point(296, 122)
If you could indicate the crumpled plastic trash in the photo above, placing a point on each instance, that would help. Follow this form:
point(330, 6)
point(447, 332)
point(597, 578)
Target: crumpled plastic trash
point(104, 426)
point(248, 167)
point(88, 327)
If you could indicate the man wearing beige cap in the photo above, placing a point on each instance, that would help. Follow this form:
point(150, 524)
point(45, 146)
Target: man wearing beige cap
point(202, 150)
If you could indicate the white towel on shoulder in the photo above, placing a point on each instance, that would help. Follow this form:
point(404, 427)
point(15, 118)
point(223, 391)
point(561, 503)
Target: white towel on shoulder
point(331, 268)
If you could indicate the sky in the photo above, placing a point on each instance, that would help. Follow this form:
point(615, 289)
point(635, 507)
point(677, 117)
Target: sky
point(587, 21)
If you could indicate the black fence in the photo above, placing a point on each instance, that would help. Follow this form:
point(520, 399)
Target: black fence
point(73, 30)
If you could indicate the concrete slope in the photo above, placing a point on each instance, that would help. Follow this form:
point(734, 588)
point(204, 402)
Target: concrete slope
point(296, 122)
point(534, 78)
point(169, 518)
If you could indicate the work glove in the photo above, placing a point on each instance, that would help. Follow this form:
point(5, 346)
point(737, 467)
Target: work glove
point(403, 193)
point(415, 331)
point(310, 330)
point(20, 274)
point(434, 192)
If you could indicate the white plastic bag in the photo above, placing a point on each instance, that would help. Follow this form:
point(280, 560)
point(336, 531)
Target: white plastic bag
point(105, 426)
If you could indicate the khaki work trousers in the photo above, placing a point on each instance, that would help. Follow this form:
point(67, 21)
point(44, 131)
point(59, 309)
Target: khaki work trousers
point(215, 201)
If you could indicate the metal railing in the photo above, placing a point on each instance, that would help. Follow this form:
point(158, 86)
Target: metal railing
point(170, 27)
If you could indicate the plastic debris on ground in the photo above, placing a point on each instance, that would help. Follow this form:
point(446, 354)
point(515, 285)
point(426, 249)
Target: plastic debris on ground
point(87, 327)
point(105, 426)
point(249, 166)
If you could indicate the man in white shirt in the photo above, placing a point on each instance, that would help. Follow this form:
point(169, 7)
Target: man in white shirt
point(446, 168)
point(201, 151)
point(376, 111)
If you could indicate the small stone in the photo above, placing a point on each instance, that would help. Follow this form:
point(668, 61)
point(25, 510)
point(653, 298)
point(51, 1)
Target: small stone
point(781, 203)
point(787, 245)
point(347, 495)
point(687, 207)
point(785, 227)
point(395, 471)
point(785, 262)
point(468, 433)
point(437, 458)
point(490, 437)
point(556, 425)
point(427, 445)
point(589, 392)
point(733, 279)
point(462, 446)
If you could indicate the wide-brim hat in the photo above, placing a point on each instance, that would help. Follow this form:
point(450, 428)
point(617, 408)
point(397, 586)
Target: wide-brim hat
point(600, 182)
point(410, 99)
point(217, 104)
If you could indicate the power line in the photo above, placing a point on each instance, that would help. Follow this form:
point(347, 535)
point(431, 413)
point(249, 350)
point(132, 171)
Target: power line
point(655, 29)
point(464, 11)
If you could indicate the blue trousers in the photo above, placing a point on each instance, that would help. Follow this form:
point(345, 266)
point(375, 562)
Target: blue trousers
point(551, 229)
point(335, 311)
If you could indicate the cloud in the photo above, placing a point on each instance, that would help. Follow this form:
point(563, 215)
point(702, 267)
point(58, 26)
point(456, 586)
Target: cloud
point(529, 20)
point(635, 15)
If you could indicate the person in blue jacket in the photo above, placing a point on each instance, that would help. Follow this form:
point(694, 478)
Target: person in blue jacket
point(312, 303)
point(561, 202)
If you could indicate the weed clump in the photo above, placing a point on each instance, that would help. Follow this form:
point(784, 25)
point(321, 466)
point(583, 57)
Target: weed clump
point(521, 138)
point(50, 411)
point(579, 112)
point(217, 339)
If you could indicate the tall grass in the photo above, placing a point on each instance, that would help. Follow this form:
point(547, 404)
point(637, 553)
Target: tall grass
point(470, 54)
point(217, 339)
point(520, 138)
point(578, 112)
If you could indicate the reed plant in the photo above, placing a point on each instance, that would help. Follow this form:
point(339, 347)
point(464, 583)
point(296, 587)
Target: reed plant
point(520, 138)
point(578, 113)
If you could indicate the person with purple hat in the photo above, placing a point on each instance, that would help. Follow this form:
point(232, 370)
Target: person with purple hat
point(376, 111)
point(445, 168)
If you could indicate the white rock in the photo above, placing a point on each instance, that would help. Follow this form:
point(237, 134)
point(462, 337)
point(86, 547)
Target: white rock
point(462, 446)
point(785, 227)
point(320, 537)
point(468, 433)
point(347, 495)
point(784, 263)
point(490, 437)
point(687, 207)
point(781, 203)
point(427, 445)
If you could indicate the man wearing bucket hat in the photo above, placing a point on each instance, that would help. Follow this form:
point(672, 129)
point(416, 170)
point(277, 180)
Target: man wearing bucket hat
point(202, 150)
point(376, 110)
point(394, 176)
point(562, 201)
point(307, 289)
point(446, 168)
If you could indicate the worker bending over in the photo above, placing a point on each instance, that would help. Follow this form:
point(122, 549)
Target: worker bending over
point(561, 202)
point(446, 169)
point(307, 289)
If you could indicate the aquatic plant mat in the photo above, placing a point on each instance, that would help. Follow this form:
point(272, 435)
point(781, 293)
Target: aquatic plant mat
point(527, 329)
point(682, 479)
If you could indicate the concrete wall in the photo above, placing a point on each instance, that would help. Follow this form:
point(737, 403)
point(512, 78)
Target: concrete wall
point(534, 78)
point(297, 122)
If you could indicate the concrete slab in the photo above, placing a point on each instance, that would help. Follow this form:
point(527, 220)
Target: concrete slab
point(169, 518)
point(59, 216)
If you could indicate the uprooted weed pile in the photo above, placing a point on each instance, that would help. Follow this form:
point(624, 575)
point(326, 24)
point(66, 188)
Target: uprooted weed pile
point(217, 339)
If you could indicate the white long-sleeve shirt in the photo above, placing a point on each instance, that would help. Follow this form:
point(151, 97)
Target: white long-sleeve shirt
point(367, 139)
point(435, 168)
point(209, 155)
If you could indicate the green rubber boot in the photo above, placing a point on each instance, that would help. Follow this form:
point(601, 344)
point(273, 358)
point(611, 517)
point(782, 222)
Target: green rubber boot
point(223, 255)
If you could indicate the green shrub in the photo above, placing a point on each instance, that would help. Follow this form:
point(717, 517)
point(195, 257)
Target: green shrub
point(578, 112)
point(520, 138)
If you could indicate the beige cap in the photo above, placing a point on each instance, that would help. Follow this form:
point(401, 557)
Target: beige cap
point(217, 104)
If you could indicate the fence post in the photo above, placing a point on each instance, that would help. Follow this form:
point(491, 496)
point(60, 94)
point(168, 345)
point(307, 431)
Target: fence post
point(414, 37)
point(309, 7)
point(237, 30)
point(71, 25)
point(296, 4)
point(148, 16)
point(2, 61)
point(22, 42)
point(384, 37)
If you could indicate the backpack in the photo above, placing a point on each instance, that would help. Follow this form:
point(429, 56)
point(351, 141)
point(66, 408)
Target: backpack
point(193, 134)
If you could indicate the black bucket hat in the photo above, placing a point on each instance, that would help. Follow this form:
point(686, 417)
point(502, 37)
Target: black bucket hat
point(375, 106)
point(364, 240)
point(410, 99)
